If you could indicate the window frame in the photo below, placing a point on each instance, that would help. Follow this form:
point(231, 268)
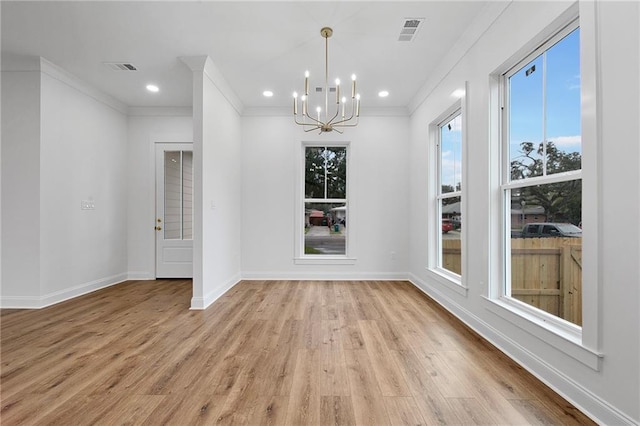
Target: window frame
point(508, 185)
point(443, 276)
point(583, 343)
point(300, 257)
point(440, 196)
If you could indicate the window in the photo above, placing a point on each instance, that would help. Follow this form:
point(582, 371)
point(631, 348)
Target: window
point(449, 194)
point(325, 200)
point(542, 179)
point(178, 195)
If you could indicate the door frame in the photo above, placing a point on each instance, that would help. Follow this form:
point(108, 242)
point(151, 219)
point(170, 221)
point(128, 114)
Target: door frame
point(155, 139)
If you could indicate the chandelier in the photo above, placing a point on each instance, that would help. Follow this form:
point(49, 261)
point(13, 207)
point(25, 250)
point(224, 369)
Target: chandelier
point(324, 121)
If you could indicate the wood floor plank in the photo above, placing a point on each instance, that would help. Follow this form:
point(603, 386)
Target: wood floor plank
point(470, 411)
point(403, 411)
point(304, 402)
point(336, 410)
point(389, 377)
point(185, 409)
point(266, 352)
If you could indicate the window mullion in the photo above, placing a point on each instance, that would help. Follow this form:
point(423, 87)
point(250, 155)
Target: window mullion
point(544, 114)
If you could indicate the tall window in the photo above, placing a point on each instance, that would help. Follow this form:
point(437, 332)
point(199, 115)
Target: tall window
point(542, 178)
point(325, 200)
point(449, 194)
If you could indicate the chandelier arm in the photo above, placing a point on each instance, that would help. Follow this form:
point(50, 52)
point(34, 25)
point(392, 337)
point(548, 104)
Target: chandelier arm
point(342, 126)
point(312, 129)
point(295, 118)
point(347, 119)
point(334, 117)
point(313, 119)
point(345, 124)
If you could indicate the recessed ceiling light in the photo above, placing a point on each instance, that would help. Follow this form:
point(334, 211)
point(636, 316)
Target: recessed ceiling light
point(152, 88)
point(458, 93)
point(267, 93)
point(383, 93)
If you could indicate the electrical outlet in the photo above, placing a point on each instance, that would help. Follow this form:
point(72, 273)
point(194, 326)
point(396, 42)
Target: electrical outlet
point(87, 205)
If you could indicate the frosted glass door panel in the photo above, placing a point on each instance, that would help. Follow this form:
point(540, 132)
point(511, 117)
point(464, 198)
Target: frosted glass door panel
point(178, 195)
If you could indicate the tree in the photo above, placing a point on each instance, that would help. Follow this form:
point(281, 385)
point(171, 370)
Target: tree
point(561, 201)
point(325, 165)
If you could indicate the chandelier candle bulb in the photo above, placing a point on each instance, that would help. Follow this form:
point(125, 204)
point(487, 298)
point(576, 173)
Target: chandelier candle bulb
point(353, 86)
point(295, 103)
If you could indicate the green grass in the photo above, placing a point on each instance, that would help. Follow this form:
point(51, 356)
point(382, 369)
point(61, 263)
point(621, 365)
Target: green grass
point(311, 250)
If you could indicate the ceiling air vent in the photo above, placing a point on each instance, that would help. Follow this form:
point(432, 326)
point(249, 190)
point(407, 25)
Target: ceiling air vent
point(320, 89)
point(410, 27)
point(121, 66)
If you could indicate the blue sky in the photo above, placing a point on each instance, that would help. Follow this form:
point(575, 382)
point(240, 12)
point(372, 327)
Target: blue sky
point(562, 91)
point(451, 161)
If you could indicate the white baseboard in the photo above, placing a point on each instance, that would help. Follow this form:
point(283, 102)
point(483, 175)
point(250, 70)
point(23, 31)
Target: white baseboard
point(200, 303)
point(34, 302)
point(590, 404)
point(328, 276)
point(140, 275)
point(20, 302)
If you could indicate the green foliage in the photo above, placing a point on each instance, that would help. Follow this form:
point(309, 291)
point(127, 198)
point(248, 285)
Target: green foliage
point(325, 165)
point(561, 201)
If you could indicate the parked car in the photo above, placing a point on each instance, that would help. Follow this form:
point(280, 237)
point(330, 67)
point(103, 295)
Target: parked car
point(547, 229)
point(447, 225)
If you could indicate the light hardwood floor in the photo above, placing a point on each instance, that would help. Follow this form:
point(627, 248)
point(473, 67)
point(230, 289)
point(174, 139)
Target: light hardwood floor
point(274, 352)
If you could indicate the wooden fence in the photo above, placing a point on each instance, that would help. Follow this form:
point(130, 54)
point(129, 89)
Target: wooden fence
point(545, 273)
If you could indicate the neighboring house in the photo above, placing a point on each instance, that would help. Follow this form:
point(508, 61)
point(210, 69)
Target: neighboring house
point(338, 214)
point(451, 211)
point(315, 218)
point(529, 214)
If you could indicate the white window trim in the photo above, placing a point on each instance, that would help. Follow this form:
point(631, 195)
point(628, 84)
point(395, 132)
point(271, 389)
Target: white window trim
point(580, 343)
point(299, 257)
point(446, 278)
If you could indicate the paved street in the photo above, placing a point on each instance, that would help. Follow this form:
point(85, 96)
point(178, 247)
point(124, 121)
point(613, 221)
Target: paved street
point(451, 235)
point(321, 239)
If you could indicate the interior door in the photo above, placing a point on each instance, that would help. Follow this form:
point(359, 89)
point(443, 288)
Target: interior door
point(174, 210)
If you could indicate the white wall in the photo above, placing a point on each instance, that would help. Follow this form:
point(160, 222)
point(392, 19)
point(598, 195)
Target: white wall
point(378, 198)
point(217, 183)
point(146, 127)
point(20, 284)
point(83, 157)
point(609, 393)
point(64, 142)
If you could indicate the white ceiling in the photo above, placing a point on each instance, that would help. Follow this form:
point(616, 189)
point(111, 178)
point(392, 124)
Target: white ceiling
point(256, 45)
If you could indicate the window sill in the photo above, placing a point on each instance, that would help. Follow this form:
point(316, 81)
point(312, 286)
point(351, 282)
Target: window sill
point(448, 280)
point(565, 337)
point(324, 260)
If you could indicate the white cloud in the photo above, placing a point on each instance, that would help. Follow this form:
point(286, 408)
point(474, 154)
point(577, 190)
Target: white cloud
point(566, 140)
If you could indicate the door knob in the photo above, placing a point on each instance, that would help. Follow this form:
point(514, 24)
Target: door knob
point(158, 228)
